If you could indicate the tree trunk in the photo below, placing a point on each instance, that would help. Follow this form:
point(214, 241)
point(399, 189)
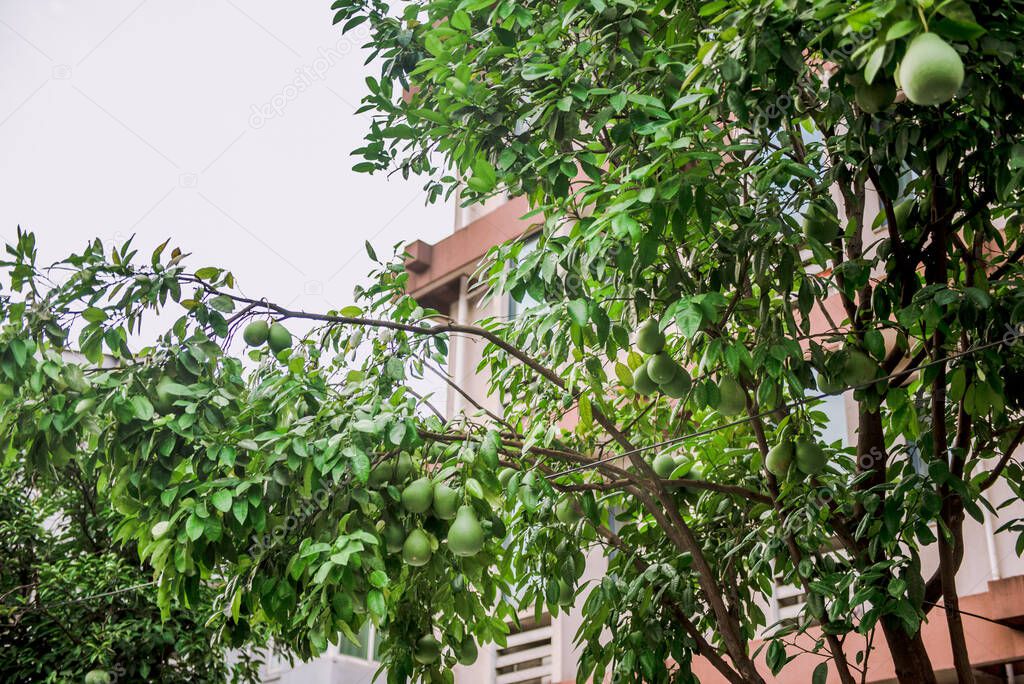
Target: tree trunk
point(908, 654)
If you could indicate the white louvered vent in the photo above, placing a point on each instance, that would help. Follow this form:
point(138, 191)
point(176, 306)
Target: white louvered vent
point(527, 658)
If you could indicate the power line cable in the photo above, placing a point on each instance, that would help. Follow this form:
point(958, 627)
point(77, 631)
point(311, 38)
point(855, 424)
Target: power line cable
point(792, 404)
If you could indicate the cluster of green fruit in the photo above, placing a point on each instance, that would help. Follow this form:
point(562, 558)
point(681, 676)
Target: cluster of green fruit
point(809, 457)
point(931, 73)
point(422, 496)
point(275, 335)
point(427, 650)
point(659, 371)
point(680, 465)
point(852, 368)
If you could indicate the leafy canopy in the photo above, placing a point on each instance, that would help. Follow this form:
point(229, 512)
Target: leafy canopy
point(718, 168)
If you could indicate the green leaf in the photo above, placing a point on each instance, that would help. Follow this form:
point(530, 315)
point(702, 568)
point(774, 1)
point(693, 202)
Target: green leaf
point(359, 463)
point(376, 604)
point(142, 407)
point(94, 315)
point(194, 527)
point(578, 312)
point(221, 500)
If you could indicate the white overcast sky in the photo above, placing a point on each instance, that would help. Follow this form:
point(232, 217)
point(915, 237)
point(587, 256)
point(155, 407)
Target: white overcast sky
point(182, 120)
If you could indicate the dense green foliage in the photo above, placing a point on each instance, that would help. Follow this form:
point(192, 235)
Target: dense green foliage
point(745, 175)
point(73, 602)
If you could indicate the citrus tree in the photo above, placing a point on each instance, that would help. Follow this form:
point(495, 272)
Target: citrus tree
point(74, 605)
point(741, 208)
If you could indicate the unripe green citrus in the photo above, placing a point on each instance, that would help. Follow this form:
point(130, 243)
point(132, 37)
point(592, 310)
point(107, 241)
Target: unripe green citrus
point(256, 333)
point(820, 225)
point(404, 467)
point(428, 650)
point(859, 369)
point(663, 465)
point(661, 368)
point(680, 461)
point(649, 338)
point(679, 386)
point(394, 537)
point(416, 548)
point(875, 97)
point(931, 71)
point(565, 510)
point(279, 338)
point(779, 459)
point(810, 458)
point(381, 474)
point(97, 677)
point(642, 383)
point(829, 384)
point(446, 501)
point(418, 496)
point(732, 399)
point(465, 536)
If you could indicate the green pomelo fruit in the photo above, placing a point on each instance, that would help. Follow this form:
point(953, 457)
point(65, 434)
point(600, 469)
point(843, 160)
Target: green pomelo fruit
point(931, 71)
point(679, 386)
point(394, 537)
point(779, 459)
point(418, 496)
point(467, 652)
point(829, 384)
point(810, 458)
point(416, 548)
point(661, 368)
point(381, 474)
point(566, 510)
point(663, 465)
point(649, 339)
point(465, 536)
point(732, 399)
point(875, 97)
point(682, 465)
point(256, 333)
point(820, 225)
point(859, 369)
point(97, 677)
point(642, 383)
point(279, 338)
point(446, 501)
point(404, 468)
point(428, 650)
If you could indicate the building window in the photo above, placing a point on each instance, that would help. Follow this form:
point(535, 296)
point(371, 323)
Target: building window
point(527, 302)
